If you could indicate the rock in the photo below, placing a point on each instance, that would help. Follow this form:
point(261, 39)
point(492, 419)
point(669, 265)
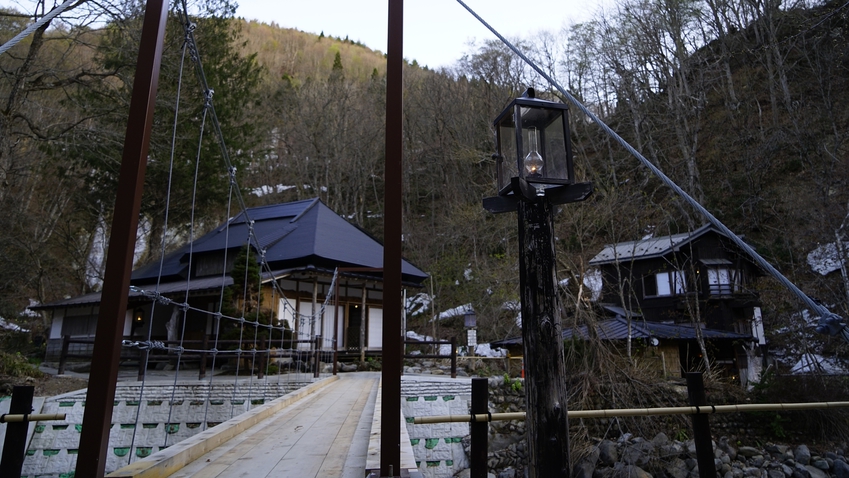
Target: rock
point(841, 469)
point(802, 454)
point(723, 445)
point(757, 460)
point(629, 471)
point(820, 463)
point(677, 468)
point(660, 440)
point(775, 474)
point(507, 473)
point(751, 471)
point(348, 367)
point(584, 469)
point(799, 471)
point(774, 449)
point(607, 453)
point(787, 470)
point(691, 463)
point(748, 451)
point(816, 472)
point(639, 453)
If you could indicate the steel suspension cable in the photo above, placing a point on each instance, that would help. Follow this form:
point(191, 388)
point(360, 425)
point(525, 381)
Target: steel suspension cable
point(35, 26)
point(829, 322)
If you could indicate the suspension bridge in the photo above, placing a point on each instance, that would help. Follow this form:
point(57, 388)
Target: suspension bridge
point(318, 429)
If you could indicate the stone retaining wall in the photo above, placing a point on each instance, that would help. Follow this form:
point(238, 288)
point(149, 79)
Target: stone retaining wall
point(164, 416)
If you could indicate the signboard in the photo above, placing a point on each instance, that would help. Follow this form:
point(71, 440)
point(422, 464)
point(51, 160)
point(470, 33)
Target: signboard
point(472, 338)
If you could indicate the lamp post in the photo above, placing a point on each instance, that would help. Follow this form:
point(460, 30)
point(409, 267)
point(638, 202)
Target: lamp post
point(534, 173)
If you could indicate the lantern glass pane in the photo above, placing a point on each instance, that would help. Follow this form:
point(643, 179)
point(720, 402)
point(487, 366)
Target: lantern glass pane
point(554, 144)
point(508, 167)
point(551, 141)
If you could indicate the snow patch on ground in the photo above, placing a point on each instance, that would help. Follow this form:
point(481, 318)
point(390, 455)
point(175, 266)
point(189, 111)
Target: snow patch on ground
point(813, 363)
point(481, 350)
point(266, 189)
point(826, 258)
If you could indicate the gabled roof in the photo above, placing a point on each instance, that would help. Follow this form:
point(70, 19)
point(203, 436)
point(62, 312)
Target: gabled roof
point(296, 234)
point(650, 247)
point(617, 329)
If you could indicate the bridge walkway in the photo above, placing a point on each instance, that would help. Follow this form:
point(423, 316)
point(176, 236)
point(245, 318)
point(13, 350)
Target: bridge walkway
point(323, 435)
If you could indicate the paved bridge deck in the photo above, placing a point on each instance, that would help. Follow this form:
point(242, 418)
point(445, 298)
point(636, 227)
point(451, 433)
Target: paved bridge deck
point(325, 434)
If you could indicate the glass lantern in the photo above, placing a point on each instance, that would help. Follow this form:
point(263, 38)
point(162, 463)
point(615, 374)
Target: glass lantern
point(532, 143)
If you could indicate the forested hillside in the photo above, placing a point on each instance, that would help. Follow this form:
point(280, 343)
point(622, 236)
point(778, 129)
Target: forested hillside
point(743, 103)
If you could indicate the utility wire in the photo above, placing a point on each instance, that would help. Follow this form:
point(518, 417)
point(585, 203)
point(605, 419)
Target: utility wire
point(829, 322)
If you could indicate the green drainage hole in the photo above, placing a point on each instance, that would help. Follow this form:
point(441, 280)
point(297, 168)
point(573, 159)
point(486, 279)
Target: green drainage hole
point(66, 404)
point(430, 443)
point(172, 428)
point(432, 464)
point(79, 428)
point(67, 475)
point(448, 398)
point(120, 451)
point(412, 399)
point(73, 451)
point(410, 419)
point(50, 452)
point(39, 428)
point(430, 399)
point(237, 402)
point(449, 462)
point(258, 401)
point(414, 441)
point(30, 452)
point(60, 427)
point(132, 403)
point(212, 424)
point(154, 403)
point(128, 426)
point(192, 425)
point(143, 451)
point(216, 402)
point(196, 403)
point(149, 425)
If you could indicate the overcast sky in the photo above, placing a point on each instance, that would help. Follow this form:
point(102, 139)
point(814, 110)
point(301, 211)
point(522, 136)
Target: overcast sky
point(436, 32)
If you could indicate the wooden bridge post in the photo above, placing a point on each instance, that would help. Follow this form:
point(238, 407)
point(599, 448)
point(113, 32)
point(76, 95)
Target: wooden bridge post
point(479, 430)
point(542, 335)
point(16, 433)
point(453, 357)
point(63, 355)
point(701, 426)
point(317, 358)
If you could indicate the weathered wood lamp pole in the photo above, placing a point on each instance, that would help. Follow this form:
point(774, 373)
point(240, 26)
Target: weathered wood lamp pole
point(535, 172)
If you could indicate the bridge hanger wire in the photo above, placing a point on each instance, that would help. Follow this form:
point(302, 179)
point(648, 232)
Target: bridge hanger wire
point(829, 323)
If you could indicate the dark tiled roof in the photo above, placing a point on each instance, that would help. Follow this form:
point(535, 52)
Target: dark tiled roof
point(171, 289)
point(647, 248)
point(617, 329)
point(293, 234)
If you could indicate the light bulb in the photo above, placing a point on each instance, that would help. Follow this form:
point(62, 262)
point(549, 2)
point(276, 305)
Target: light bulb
point(533, 161)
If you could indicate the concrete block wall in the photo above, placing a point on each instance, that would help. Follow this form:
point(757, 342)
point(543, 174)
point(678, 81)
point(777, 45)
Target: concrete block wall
point(437, 447)
point(141, 424)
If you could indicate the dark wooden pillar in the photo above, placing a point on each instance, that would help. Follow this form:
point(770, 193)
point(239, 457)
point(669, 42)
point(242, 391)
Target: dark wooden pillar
point(701, 426)
point(16, 432)
point(545, 377)
point(94, 441)
point(390, 419)
point(479, 430)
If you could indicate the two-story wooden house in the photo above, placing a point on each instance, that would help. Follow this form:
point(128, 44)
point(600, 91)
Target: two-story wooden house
point(697, 277)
